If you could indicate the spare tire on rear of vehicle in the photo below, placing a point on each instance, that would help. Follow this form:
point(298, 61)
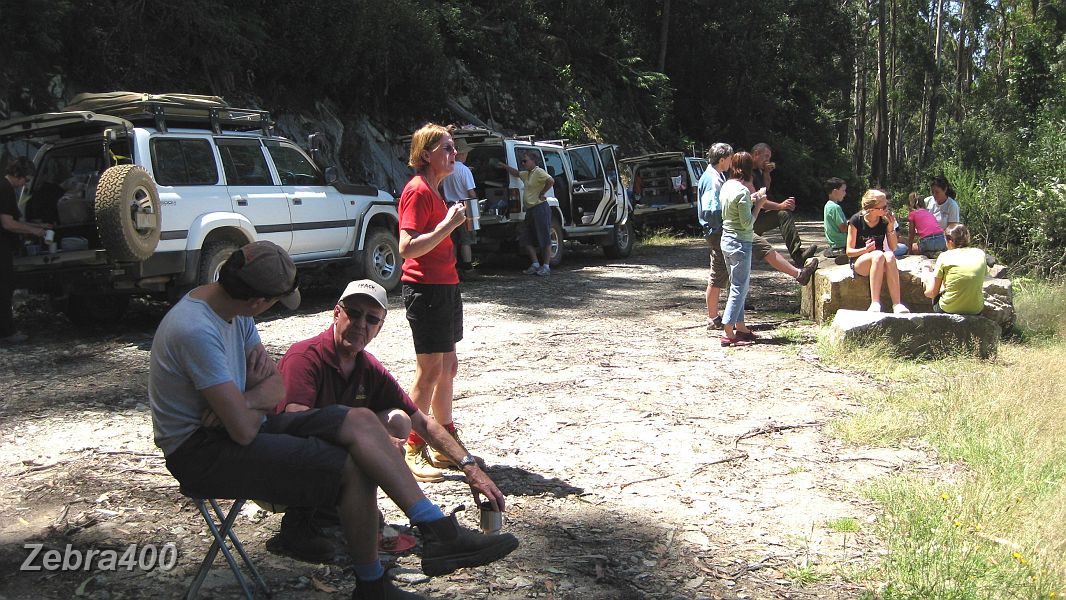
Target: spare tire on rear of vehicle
point(127, 213)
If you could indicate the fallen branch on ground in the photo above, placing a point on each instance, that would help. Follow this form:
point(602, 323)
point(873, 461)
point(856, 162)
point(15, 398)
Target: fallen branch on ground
point(741, 455)
point(627, 484)
point(772, 427)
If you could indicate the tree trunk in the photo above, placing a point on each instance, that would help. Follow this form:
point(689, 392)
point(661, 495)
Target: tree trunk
point(880, 147)
point(961, 61)
point(858, 148)
point(934, 90)
point(664, 36)
point(894, 117)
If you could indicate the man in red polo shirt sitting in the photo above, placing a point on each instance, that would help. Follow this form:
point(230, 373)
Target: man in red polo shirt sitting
point(335, 368)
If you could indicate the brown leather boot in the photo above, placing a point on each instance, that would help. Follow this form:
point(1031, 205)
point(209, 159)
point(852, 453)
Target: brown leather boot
point(417, 461)
point(446, 546)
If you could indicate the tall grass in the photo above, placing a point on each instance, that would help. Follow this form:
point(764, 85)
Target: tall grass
point(992, 524)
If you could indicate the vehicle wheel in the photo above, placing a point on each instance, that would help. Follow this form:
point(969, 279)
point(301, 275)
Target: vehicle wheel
point(381, 258)
point(127, 213)
point(211, 259)
point(621, 244)
point(95, 309)
point(558, 247)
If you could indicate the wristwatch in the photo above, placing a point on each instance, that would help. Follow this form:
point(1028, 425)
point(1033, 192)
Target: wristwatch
point(467, 460)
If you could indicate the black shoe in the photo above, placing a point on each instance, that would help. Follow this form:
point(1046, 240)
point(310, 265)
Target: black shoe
point(446, 546)
point(301, 539)
point(807, 271)
point(382, 589)
point(806, 255)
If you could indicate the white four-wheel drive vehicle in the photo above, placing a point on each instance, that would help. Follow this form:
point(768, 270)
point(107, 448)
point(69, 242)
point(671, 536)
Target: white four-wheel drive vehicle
point(588, 200)
point(150, 194)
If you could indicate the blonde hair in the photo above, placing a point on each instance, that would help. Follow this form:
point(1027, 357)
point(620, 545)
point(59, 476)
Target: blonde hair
point(426, 138)
point(871, 199)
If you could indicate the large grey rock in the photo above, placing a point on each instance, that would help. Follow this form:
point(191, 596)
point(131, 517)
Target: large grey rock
point(918, 334)
point(836, 287)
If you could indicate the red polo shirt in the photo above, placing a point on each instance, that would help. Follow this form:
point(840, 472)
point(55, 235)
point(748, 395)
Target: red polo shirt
point(312, 376)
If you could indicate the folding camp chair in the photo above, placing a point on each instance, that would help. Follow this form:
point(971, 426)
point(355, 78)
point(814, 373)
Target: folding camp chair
point(221, 527)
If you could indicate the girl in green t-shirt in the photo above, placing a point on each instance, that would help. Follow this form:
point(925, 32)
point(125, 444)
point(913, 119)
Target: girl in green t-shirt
point(958, 278)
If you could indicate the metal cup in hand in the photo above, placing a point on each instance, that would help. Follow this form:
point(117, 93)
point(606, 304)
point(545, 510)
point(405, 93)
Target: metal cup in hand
point(491, 520)
point(49, 236)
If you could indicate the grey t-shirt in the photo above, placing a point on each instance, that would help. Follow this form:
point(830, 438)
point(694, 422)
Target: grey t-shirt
point(193, 349)
point(945, 213)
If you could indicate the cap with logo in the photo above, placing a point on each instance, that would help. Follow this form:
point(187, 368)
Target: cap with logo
point(368, 288)
point(268, 272)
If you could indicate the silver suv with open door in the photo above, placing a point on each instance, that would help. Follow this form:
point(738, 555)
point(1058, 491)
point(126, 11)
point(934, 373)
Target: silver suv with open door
point(588, 200)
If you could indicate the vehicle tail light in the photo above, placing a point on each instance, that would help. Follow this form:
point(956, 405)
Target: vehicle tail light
point(515, 204)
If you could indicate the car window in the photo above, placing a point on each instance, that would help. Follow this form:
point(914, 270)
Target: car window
point(183, 162)
point(583, 161)
point(554, 164)
point(244, 163)
point(607, 159)
point(293, 167)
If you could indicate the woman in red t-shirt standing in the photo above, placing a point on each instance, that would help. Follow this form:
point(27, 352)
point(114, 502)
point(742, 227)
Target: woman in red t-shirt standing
point(431, 289)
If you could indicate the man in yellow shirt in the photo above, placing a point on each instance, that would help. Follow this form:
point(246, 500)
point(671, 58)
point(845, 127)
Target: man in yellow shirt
point(536, 228)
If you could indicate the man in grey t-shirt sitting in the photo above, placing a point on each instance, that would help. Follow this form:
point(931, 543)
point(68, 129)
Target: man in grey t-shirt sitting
point(213, 389)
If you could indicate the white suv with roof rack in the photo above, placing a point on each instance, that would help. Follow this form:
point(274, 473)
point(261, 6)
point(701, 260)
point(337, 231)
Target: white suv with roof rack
point(150, 193)
point(588, 200)
point(664, 188)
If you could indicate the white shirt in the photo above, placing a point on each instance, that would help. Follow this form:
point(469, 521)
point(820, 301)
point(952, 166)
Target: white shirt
point(945, 213)
point(458, 183)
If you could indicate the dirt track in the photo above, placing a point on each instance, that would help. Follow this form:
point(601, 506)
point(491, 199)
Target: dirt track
point(606, 413)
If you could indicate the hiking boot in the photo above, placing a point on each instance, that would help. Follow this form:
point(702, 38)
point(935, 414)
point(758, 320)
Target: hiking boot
point(714, 324)
point(418, 462)
point(807, 271)
point(301, 539)
point(446, 546)
point(806, 255)
point(382, 589)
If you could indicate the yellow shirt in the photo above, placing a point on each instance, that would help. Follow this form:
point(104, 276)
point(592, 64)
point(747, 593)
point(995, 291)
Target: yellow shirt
point(535, 179)
point(962, 273)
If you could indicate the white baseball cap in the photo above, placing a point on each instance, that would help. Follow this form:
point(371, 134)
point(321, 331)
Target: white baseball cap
point(366, 287)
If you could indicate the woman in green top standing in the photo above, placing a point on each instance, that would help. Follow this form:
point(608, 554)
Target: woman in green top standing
point(957, 284)
point(740, 205)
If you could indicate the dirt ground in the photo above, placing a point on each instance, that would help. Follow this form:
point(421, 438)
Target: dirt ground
point(640, 459)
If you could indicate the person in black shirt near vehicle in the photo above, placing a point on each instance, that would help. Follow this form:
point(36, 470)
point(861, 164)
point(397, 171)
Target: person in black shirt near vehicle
point(16, 175)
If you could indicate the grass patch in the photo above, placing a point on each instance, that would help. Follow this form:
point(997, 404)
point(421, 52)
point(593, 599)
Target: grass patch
point(843, 525)
point(663, 236)
point(998, 529)
point(803, 575)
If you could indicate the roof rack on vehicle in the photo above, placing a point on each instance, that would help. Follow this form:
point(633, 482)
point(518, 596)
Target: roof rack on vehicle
point(176, 109)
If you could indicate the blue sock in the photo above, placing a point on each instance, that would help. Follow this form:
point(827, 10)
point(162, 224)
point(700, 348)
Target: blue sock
point(424, 511)
point(370, 571)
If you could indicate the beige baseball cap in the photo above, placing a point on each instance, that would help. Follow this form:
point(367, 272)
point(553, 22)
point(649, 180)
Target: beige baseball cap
point(366, 287)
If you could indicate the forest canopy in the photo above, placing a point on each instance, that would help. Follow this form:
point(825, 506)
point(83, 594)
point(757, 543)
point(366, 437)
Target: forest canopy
point(884, 93)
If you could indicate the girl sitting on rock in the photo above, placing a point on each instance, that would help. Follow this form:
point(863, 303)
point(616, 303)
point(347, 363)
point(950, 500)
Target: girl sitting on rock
point(867, 233)
point(925, 228)
point(957, 282)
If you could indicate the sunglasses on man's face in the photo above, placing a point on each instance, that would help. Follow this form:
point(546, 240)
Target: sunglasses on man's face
point(354, 315)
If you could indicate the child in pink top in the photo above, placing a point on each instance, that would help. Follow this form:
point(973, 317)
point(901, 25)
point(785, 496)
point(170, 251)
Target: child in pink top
point(925, 227)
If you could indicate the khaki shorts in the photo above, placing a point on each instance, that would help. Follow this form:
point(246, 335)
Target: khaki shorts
point(719, 276)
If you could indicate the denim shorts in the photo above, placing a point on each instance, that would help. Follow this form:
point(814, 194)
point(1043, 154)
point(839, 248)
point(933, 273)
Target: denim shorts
point(933, 243)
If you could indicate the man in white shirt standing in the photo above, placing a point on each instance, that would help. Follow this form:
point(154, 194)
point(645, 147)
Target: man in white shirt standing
point(458, 187)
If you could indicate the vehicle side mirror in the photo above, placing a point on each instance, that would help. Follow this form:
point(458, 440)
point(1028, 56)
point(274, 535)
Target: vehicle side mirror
point(331, 175)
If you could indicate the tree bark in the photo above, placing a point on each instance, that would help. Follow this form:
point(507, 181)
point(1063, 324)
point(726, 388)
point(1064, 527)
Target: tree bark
point(961, 61)
point(934, 91)
point(858, 148)
point(664, 36)
point(879, 159)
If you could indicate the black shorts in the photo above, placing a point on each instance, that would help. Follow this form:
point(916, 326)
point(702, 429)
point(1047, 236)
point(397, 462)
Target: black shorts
point(292, 461)
point(435, 313)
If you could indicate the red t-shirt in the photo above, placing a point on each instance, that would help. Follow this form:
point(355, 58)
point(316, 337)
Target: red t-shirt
point(421, 210)
point(313, 378)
